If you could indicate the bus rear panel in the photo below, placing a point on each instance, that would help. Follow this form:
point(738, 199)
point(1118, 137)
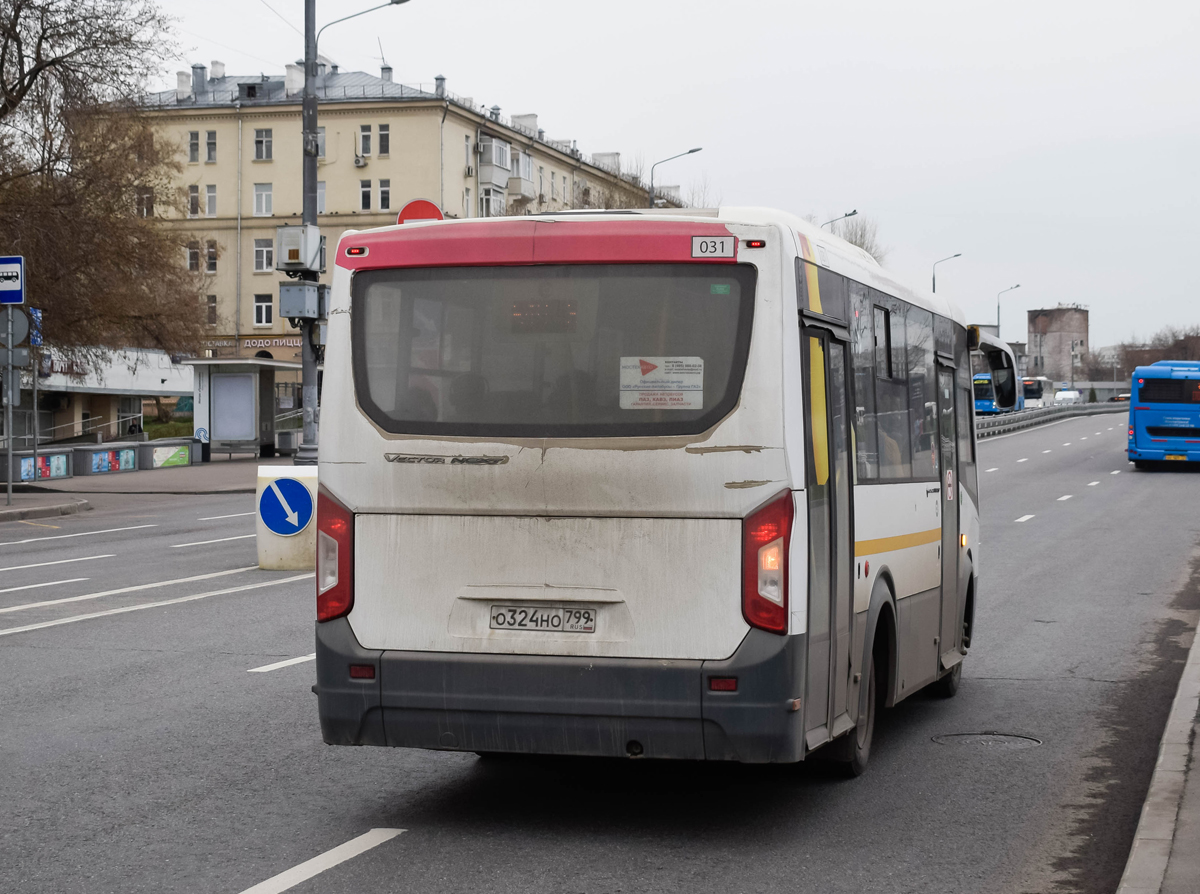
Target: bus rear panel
point(1164, 413)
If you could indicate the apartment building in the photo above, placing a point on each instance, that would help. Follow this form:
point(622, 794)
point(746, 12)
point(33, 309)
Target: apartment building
point(381, 144)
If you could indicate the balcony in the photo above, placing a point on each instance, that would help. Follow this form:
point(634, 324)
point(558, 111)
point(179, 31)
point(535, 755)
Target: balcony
point(520, 189)
point(495, 164)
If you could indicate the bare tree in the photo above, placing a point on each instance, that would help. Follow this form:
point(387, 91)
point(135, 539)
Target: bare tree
point(864, 232)
point(701, 193)
point(83, 182)
point(1169, 343)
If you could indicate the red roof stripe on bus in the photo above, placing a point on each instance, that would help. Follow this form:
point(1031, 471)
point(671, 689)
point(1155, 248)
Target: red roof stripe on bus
point(532, 242)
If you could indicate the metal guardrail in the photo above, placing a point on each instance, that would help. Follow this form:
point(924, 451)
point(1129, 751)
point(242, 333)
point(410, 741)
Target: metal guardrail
point(989, 426)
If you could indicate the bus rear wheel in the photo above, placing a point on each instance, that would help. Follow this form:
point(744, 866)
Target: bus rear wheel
point(947, 685)
point(854, 749)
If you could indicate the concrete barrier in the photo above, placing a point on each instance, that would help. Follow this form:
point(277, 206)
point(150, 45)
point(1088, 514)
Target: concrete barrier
point(285, 518)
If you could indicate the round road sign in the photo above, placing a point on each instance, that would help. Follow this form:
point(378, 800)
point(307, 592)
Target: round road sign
point(286, 506)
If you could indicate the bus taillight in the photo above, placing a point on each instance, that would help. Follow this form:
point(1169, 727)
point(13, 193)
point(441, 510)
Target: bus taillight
point(765, 538)
point(335, 557)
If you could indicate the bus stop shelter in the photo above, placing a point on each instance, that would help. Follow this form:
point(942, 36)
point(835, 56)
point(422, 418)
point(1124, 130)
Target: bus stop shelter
point(234, 403)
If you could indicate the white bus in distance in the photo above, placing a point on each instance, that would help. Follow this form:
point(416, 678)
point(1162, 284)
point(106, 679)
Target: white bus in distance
point(697, 485)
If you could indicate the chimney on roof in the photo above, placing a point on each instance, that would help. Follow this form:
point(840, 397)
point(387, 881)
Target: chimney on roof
point(495, 113)
point(183, 84)
point(440, 85)
point(199, 78)
point(293, 78)
point(333, 68)
point(385, 72)
point(541, 134)
point(218, 69)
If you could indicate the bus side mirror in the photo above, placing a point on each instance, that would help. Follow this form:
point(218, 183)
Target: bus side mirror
point(1004, 377)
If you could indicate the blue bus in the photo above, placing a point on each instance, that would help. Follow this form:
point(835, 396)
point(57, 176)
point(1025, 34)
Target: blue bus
point(985, 397)
point(1164, 413)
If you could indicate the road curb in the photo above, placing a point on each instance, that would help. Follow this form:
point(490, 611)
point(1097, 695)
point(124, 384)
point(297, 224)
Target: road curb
point(1146, 867)
point(71, 508)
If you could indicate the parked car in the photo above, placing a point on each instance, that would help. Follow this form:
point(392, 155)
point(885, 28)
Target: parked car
point(1063, 398)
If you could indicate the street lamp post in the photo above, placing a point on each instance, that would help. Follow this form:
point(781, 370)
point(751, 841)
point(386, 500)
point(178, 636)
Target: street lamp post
point(998, 294)
point(650, 196)
point(843, 217)
point(935, 263)
point(306, 453)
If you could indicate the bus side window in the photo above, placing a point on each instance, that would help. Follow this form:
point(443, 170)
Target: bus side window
point(891, 393)
point(863, 348)
point(968, 472)
point(922, 392)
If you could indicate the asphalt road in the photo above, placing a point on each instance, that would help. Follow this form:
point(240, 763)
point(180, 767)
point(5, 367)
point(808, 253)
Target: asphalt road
point(138, 753)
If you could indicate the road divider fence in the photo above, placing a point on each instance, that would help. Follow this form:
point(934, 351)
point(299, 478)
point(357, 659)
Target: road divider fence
point(1002, 423)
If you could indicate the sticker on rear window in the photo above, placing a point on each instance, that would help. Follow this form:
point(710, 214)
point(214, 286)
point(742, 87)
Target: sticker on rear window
point(662, 383)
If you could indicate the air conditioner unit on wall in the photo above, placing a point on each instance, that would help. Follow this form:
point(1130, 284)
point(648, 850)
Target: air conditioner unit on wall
point(470, 171)
point(359, 161)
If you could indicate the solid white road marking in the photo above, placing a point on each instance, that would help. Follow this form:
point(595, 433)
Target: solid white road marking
point(1024, 518)
point(1093, 483)
point(215, 517)
point(218, 540)
point(57, 562)
point(51, 583)
point(1116, 472)
point(991, 470)
point(161, 583)
point(292, 517)
point(80, 534)
point(136, 608)
point(278, 664)
point(327, 860)
point(1025, 460)
point(1064, 497)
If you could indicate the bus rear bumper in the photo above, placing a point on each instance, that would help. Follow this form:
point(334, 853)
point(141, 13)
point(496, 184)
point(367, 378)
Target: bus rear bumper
point(1143, 455)
point(538, 704)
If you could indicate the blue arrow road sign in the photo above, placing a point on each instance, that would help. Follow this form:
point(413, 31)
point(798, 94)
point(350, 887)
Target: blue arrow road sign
point(12, 279)
point(286, 507)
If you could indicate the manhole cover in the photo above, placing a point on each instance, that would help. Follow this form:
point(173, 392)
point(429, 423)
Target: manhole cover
point(993, 741)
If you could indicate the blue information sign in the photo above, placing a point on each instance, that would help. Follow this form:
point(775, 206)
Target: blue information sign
point(12, 279)
point(286, 506)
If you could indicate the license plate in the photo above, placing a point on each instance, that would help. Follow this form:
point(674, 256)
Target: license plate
point(554, 619)
point(1176, 456)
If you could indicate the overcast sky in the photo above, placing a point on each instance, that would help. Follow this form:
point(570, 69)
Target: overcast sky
point(1054, 144)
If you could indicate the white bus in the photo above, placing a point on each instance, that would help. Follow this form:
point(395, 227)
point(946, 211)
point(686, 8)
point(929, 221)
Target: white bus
point(644, 484)
point(1039, 392)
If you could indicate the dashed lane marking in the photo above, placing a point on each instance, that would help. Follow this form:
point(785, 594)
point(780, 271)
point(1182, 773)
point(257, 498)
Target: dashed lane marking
point(1084, 438)
point(133, 589)
point(1093, 483)
point(278, 664)
point(1025, 460)
point(57, 562)
point(79, 534)
point(1045, 451)
point(144, 605)
point(1065, 497)
point(991, 470)
point(1115, 472)
point(1068, 444)
point(49, 583)
point(239, 515)
point(218, 540)
point(321, 862)
point(1024, 518)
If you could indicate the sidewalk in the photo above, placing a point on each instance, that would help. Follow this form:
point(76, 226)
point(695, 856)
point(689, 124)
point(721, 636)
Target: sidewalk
point(221, 476)
point(40, 505)
point(1165, 857)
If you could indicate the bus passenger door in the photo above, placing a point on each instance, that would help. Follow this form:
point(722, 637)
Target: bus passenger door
point(830, 547)
point(948, 435)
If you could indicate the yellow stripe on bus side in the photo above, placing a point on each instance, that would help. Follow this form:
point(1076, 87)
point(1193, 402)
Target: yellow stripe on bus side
point(901, 541)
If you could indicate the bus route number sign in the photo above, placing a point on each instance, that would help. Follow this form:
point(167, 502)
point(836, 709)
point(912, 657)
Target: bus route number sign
point(713, 246)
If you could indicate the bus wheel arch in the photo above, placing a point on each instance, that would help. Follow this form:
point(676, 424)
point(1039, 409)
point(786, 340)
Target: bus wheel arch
point(968, 623)
point(880, 643)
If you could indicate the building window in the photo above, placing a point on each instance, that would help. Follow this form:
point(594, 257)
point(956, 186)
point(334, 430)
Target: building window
point(210, 263)
point(491, 203)
point(262, 144)
point(320, 197)
point(364, 140)
point(467, 155)
point(320, 142)
point(262, 200)
point(210, 200)
point(364, 187)
point(211, 145)
point(264, 307)
point(385, 193)
point(264, 255)
point(553, 186)
point(144, 197)
point(541, 183)
point(564, 192)
point(193, 201)
point(211, 310)
point(194, 146)
point(467, 201)
point(385, 139)
point(193, 257)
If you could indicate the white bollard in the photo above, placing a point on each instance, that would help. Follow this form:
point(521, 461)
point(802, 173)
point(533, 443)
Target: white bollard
point(286, 518)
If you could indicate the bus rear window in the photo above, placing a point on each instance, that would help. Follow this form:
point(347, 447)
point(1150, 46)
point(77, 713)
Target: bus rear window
point(1169, 391)
point(551, 351)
